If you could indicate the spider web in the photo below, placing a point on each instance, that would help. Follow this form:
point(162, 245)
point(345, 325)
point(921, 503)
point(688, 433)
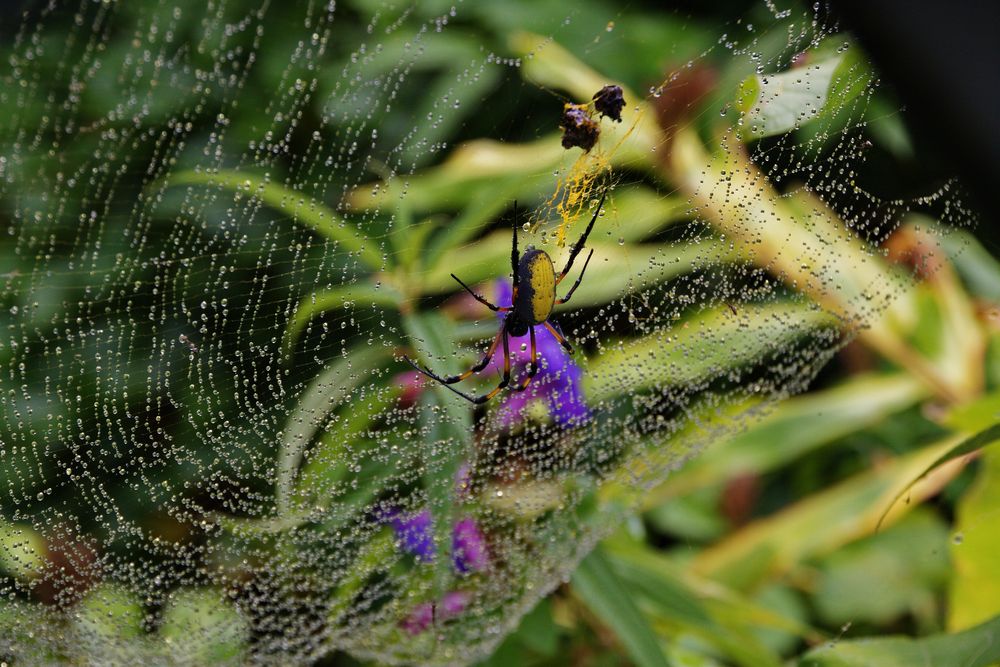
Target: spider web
point(227, 222)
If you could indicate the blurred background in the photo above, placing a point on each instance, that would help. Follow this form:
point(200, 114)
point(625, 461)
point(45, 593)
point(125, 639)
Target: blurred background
point(787, 541)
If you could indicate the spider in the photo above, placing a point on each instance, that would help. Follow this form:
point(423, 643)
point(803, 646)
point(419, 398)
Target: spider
point(534, 297)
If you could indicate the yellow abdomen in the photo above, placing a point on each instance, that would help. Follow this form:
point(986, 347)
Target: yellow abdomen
point(537, 287)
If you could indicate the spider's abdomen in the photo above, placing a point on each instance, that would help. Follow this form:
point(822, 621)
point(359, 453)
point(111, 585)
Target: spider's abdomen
point(536, 290)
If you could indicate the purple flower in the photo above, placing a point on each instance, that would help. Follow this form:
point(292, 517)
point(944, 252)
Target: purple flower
point(558, 381)
point(416, 536)
point(423, 615)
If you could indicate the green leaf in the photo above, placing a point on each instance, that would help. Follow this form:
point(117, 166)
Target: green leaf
point(409, 236)
point(723, 618)
point(22, 550)
point(442, 61)
point(538, 630)
point(27, 648)
point(979, 269)
point(668, 595)
point(847, 511)
point(799, 425)
point(885, 124)
point(975, 586)
point(488, 200)
point(786, 602)
point(109, 614)
point(377, 554)
point(203, 613)
point(342, 296)
point(618, 271)
point(778, 103)
point(331, 388)
point(975, 415)
point(893, 573)
point(469, 169)
point(723, 342)
point(638, 213)
point(329, 463)
point(977, 647)
point(691, 517)
point(299, 207)
point(596, 583)
point(649, 264)
point(967, 446)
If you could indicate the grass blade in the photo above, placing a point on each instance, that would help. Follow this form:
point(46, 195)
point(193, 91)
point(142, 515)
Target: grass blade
point(604, 593)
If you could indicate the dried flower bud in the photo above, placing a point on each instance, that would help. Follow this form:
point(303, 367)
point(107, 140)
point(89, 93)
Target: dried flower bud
point(609, 100)
point(579, 129)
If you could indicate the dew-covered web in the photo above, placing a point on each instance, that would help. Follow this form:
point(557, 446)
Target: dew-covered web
point(227, 224)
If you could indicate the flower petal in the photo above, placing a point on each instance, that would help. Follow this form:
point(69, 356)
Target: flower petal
point(469, 547)
point(415, 534)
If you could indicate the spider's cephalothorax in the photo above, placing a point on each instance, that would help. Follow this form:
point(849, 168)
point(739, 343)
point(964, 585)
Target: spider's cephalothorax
point(534, 297)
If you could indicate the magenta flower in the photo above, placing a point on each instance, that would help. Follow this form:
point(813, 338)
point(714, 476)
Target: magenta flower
point(558, 381)
point(468, 547)
point(423, 615)
point(463, 481)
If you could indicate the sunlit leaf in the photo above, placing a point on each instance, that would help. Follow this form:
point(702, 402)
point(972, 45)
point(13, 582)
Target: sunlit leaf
point(848, 511)
point(724, 342)
point(962, 448)
point(777, 103)
point(799, 426)
point(976, 647)
point(975, 587)
point(202, 611)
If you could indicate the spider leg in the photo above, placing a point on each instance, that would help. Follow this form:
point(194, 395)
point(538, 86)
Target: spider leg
point(446, 382)
point(572, 289)
point(578, 246)
point(514, 256)
point(479, 298)
point(480, 365)
point(532, 365)
point(505, 380)
point(559, 337)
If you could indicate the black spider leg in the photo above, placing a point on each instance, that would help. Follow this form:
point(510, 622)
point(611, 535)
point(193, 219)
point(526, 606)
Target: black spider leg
point(533, 364)
point(480, 365)
point(481, 299)
point(447, 382)
point(578, 246)
point(514, 256)
point(572, 289)
point(556, 331)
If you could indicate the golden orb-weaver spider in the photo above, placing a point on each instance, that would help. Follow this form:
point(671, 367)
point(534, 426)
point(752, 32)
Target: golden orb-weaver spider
point(534, 297)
